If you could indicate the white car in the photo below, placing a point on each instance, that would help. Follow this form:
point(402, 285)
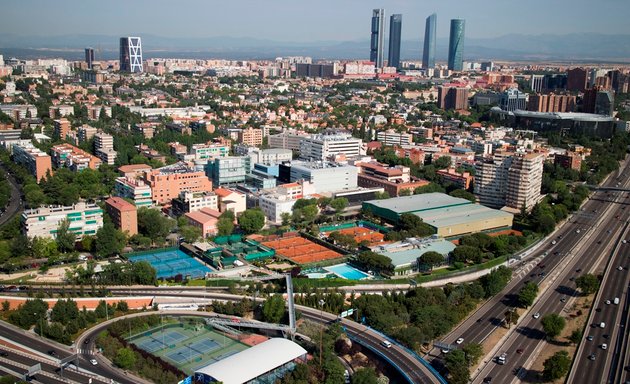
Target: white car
point(608, 302)
point(620, 268)
point(604, 346)
point(624, 241)
point(93, 362)
point(460, 340)
point(536, 315)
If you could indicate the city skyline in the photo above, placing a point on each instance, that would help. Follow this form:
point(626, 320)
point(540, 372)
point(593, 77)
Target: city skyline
point(284, 20)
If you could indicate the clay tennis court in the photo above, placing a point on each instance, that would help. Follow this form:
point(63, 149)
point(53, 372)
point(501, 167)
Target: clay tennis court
point(361, 234)
point(300, 250)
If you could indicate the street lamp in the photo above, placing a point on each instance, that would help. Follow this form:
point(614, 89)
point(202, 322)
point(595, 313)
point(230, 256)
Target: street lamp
point(321, 331)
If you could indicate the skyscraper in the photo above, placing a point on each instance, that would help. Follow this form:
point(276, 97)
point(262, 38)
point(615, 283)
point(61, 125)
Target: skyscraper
point(395, 27)
point(456, 45)
point(376, 41)
point(89, 57)
point(130, 54)
point(428, 54)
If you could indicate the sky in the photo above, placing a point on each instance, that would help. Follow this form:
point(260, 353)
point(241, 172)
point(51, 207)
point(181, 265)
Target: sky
point(307, 21)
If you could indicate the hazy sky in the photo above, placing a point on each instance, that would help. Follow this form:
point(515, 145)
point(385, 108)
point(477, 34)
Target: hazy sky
point(300, 20)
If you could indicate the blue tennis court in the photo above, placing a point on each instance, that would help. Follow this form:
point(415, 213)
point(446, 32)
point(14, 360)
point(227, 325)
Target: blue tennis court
point(172, 262)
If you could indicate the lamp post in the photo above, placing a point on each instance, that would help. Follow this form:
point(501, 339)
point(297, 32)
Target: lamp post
point(321, 331)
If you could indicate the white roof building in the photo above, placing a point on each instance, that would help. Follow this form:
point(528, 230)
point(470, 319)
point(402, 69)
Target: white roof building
point(251, 363)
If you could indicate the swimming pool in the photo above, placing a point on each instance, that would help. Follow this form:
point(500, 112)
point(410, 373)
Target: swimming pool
point(347, 272)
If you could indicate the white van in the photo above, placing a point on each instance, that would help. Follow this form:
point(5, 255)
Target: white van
point(602, 325)
point(386, 344)
point(616, 301)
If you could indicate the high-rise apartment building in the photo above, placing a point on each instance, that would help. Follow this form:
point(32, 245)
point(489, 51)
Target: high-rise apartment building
point(130, 54)
point(391, 137)
point(135, 189)
point(524, 181)
point(577, 79)
point(124, 215)
point(452, 98)
point(428, 53)
point(395, 28)
point(456, 45)
point(376, 39)
point(509, 179)
point(252, 137)
point(36, 161)
point(61, 127)
point(76, 159)
point(89, 57)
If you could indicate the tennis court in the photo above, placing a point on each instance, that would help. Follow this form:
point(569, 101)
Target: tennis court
point(301, 250)
point(171, 262)
point(188, 344)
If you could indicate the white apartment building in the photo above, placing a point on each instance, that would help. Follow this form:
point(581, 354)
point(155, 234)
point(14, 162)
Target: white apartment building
point(325, 176)
point(525, 181)
point(391, 137)
point(103, 141)
point(85, 219)
point(134, 189)
point(85, 133)
point(321, 147)
point(264, 156)
point(107, 155)
point(491, 179)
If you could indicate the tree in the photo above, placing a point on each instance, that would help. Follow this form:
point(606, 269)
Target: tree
point(527, 295)
point(153, 224)
point(457, 366)
point(110, 241)
point(405, 192)
point(442, 162)
point(553, 324)
point(431, 259)
point(143, 273)
point(252, 220)
point(375, 262)
point(273, 309)
point(557, 365)
point(125, 358)
point(365, 376)
point(286, 218)
point(576, 336)
point(190, 233)
point(511, 317)
point(464, 194)
point(587, 283)
point(65, 237)
point(225, 226)
point(473, 352)
point(339, 204)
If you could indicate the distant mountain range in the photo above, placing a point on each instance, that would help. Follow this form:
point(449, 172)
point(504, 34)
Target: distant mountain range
point(577, 47)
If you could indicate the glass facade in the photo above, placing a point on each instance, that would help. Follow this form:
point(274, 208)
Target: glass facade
point(395, 27)
point(130, 54)
point(428, 54)
point(456, 45)
point(376, 41)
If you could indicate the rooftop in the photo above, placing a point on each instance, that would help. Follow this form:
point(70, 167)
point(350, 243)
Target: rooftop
point(407, 251)
point(120, 204)
point(418, 203)
point(253, 362)
point(462, 214)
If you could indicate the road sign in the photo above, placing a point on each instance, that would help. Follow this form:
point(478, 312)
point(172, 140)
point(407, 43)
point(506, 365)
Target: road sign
point(347, 313)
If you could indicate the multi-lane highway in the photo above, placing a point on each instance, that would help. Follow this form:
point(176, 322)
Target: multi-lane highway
point(593, 363)
point(595, 248)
